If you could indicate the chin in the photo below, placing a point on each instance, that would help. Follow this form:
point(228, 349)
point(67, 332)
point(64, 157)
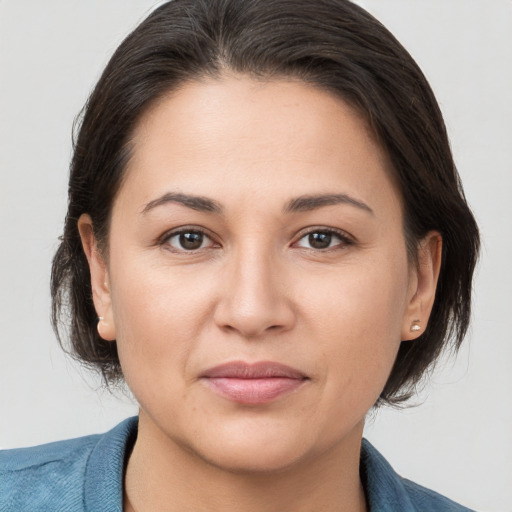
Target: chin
point(250, 445)
point(252, 458)
point(264, 445)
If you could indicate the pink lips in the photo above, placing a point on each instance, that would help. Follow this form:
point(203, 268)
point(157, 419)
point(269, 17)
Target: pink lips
point(256, 383)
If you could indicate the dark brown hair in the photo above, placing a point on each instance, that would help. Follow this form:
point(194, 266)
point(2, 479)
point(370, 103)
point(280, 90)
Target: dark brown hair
point(332, 44)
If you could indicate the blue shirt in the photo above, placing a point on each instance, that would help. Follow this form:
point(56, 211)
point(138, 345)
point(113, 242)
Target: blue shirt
point(86, 474)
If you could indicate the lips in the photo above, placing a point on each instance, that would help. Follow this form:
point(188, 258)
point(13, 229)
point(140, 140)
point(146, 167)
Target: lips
point(256, 383)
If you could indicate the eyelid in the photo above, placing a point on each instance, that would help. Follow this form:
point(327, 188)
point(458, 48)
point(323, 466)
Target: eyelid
point(345, 237)
point(164, 239)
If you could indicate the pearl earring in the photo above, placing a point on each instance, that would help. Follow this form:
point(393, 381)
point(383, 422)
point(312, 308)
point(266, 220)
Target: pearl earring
point(415, 327)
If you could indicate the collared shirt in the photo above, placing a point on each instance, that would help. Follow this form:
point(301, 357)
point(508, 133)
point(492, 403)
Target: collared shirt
point(86, 474)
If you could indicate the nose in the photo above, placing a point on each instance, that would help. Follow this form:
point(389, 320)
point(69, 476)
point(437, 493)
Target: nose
point(255, 299)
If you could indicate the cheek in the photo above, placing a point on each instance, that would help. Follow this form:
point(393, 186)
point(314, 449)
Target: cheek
point(159, 314)
point(358, 322)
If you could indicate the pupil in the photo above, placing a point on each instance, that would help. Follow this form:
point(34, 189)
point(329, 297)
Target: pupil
point(191, 240)
point(320, 240)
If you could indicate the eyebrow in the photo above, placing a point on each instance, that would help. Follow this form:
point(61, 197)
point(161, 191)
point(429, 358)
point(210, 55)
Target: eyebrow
point(311, 202)
point(199, 203)
point(298, 204)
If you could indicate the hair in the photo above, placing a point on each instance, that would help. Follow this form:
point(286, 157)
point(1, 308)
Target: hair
point(331, 44)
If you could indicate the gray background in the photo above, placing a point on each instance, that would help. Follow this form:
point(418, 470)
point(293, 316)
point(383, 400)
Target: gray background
point(459, 440)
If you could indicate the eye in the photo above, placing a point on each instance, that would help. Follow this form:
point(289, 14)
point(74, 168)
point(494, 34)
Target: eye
point(188, 240)
point(323, 239)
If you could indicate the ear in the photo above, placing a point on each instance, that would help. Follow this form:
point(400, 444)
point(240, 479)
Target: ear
point(100, 283)
point(422, 286)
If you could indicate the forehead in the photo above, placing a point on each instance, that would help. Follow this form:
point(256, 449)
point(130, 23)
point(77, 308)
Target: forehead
point(235, 133)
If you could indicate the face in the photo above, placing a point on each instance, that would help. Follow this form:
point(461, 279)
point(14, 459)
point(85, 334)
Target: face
point(257, 282)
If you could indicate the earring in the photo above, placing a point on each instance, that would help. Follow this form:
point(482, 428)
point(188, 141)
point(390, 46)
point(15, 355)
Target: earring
point(100, 319)
point(415, 326)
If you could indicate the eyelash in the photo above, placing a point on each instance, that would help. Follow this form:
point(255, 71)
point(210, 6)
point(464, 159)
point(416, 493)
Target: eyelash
point(345, 239)
point(165, 239)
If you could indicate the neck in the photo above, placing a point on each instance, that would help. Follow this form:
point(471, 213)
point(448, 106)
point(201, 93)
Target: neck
point(162, 475)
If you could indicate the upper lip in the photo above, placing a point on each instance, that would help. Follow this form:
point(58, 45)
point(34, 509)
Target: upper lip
point(258, 370)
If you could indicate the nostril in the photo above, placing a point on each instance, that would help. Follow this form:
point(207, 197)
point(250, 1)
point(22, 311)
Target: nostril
point(252, 308)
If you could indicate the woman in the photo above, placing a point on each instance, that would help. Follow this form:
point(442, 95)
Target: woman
point(266, 237)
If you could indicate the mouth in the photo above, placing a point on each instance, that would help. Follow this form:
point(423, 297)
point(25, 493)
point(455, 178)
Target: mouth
point(256, 383)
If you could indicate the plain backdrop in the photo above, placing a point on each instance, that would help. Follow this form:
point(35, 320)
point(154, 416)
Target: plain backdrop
point(459, 440)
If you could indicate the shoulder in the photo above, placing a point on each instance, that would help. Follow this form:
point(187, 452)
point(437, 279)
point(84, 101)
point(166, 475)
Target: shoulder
point(44, 475)
point(54, 476)
point(423, 498)
point(37, 457)
point(387, 491)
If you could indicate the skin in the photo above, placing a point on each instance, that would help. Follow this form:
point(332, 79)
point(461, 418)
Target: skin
point(256, 290)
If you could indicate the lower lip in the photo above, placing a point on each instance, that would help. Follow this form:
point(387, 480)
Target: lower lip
point(253, 391)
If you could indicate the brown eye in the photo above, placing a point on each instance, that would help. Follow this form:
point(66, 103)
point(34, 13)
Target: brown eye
point(320, 240)
point(189, 241)
point(323, 239)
